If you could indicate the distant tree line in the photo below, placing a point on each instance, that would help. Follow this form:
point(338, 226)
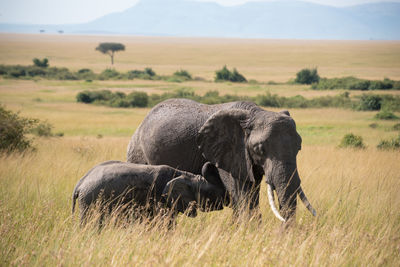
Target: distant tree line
point(311, 76)
point(55, 73)
point(142, 99)
point(41, 69)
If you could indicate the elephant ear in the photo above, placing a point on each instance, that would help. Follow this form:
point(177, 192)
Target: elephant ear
point(211, 174)
point(222, 142)
point(286, 112)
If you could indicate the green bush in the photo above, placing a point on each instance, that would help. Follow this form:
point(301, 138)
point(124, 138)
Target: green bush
point(13, 130)
point(226, 75)
point(396, 127)
point(42, 129)
point(138, 99)
point(60, 74)
point(373, 125)
point(44, 63)
point(268, 100)
point(307, 76)
point(386, 84)
point(211, 98)
point(109, 74)
point(35, 71)
point(359, 85)
point(352, 141)
point(146, 74)
point(369, 102)
point(390, 144)
point(352, 83)
point(183, 75)
point(385, 115)
point(92, 96)
point(86, 74)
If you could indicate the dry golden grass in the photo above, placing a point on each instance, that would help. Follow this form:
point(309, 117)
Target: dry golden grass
point(354, 192)
point(263, 60)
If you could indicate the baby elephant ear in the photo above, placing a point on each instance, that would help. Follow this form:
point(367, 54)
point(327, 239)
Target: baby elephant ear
point(222, 142)
point(211, 174)
point(286, 112)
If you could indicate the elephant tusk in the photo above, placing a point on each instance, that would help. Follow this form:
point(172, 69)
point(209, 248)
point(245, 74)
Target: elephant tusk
point(271, 199)
point(306, 202)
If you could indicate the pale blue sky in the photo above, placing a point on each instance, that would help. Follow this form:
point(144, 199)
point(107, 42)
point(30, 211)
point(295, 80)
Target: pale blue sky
point(78, 11)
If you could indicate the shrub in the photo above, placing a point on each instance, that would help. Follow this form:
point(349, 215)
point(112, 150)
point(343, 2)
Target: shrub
point(396, 127)
point(352, 83)
point(393, 143)
point(91, 96)
point(385, 115)
point(183, 74)
point(373, 125)
point(268, 100)
point(86, 74)
point(109, 74)
point(352, 141)
point(211, 97)
point(41, 63)
point(226, 75)
point(16, 72)
point(307, 76)
point(381, 85)
point(60, 74)
point(390, 102)
point(146, 74)
point(370, 102)
point(359, 85)
point(138, 99)
point(150, 72)
point(297, 101)
point(35, 71)
point(13, 130)
point(84, 97)
point(42, 129)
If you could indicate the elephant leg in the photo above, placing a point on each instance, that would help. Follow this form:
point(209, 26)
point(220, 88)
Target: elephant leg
point(135, 152)
point(83, 215)
point(249, 203)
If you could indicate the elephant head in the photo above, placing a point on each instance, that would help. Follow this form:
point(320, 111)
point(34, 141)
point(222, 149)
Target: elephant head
point(246, 144)
point(188, 192)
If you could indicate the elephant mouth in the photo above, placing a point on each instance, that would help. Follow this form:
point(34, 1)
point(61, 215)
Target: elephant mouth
point(303, 198)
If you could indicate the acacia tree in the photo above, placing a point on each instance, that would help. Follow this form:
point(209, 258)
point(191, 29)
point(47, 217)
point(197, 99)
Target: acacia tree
point(110, 49)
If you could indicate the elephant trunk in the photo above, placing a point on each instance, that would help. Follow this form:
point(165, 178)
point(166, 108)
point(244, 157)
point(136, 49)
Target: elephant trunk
point(283, 177)
point(287, 195)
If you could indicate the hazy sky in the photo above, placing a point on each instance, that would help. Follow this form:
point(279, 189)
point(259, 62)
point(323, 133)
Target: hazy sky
point(78, 11)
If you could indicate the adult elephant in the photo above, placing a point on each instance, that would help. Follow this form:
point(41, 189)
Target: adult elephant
point(243, 140)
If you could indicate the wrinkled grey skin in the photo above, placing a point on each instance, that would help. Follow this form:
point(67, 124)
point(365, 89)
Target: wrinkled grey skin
point(122, 184)
point(207, 192)
point(243, 140)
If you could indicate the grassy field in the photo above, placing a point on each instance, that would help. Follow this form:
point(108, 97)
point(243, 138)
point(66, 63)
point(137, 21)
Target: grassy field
point(355, 192)
point(263, 60)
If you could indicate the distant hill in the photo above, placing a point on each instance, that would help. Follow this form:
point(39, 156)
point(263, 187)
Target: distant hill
point(283, 19)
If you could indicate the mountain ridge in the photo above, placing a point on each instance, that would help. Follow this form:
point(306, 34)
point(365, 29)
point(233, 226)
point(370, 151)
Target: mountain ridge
point(278, 20)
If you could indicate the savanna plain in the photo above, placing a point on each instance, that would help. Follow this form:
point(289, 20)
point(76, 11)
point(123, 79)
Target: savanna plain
point(356, 192)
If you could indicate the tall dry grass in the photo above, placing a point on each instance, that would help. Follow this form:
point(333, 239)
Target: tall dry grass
point(356, 195)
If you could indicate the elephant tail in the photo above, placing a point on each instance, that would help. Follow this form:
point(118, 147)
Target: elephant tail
point(75, 195)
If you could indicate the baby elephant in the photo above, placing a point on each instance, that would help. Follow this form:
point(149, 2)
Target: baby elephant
point(116, 184)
